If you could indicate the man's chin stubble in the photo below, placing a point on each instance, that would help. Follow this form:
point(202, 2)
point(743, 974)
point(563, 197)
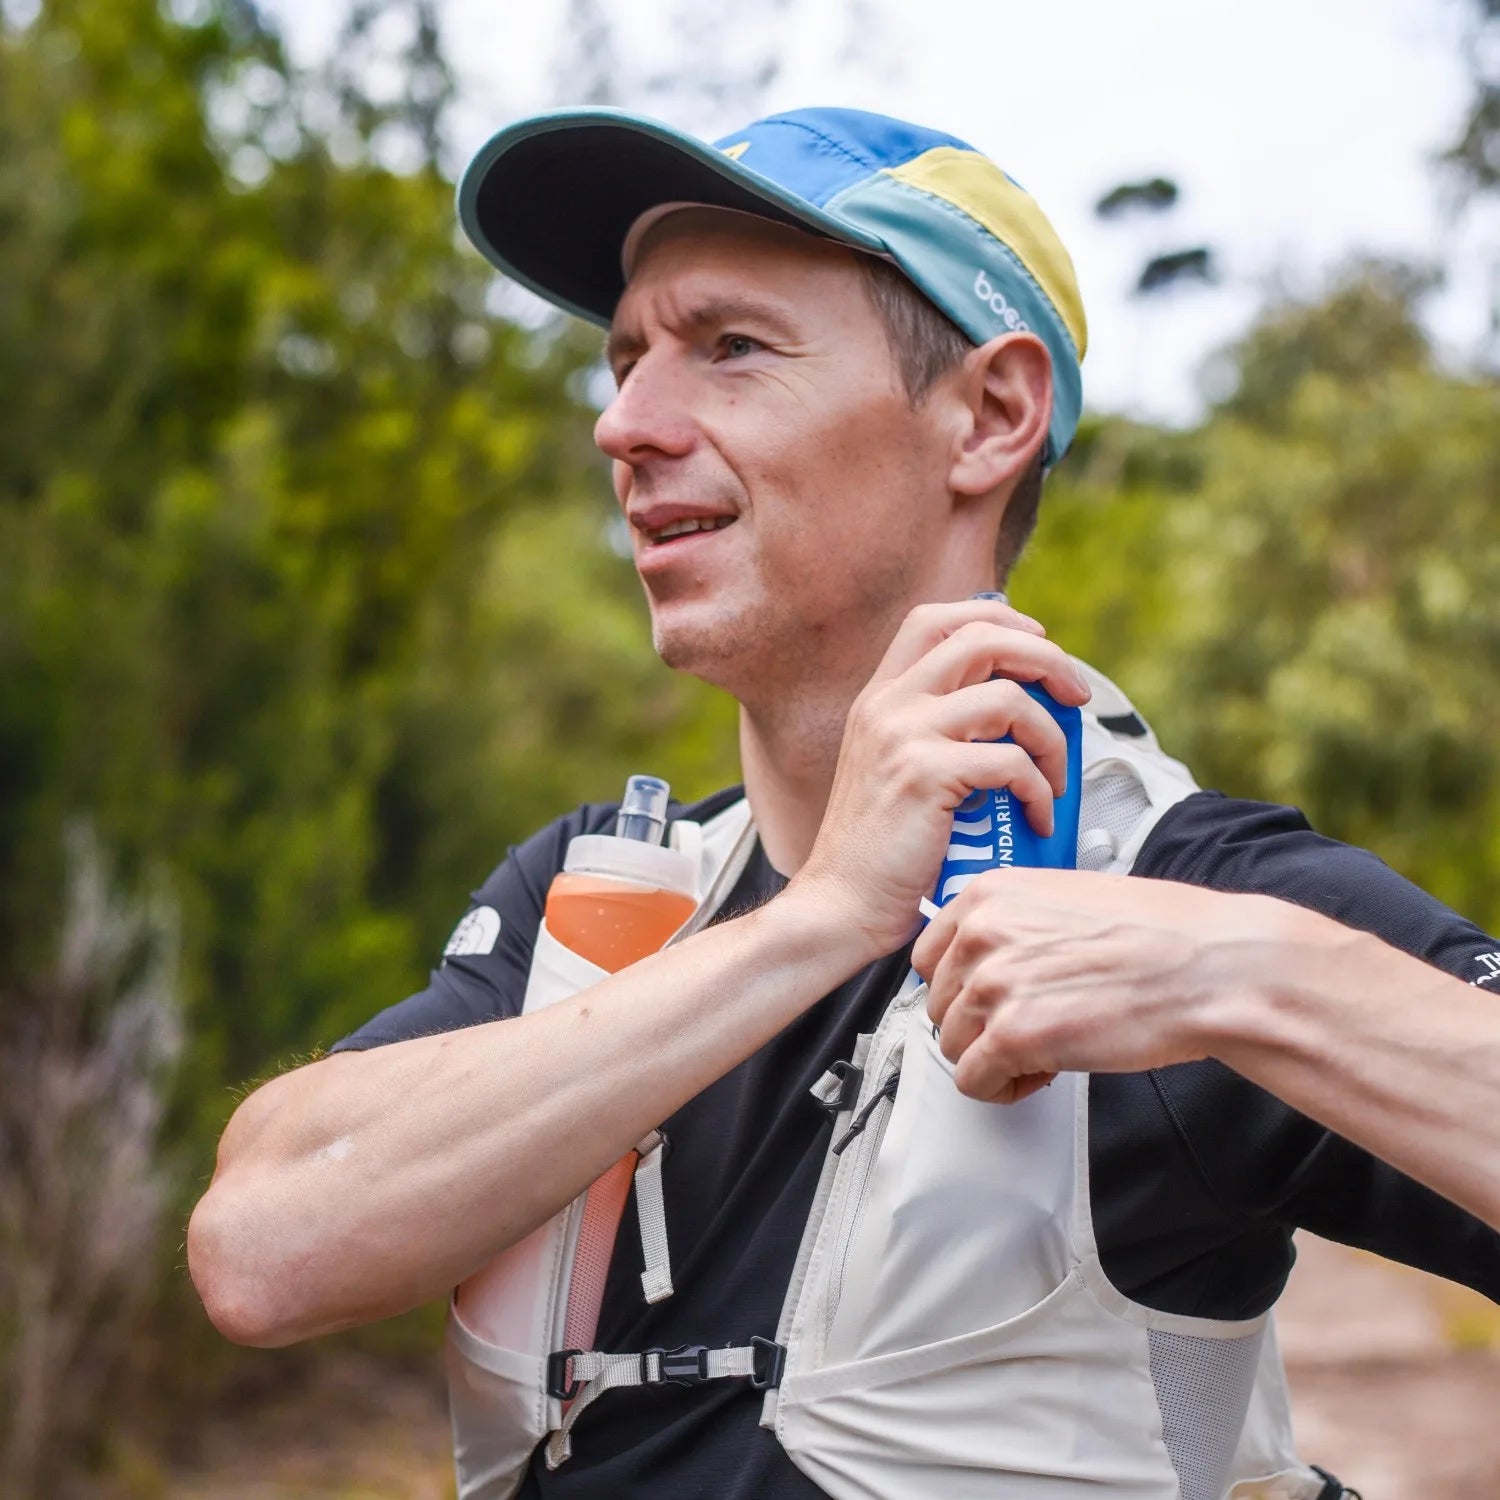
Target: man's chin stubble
point(696, 650)
point(758, 663)
point(727, 654)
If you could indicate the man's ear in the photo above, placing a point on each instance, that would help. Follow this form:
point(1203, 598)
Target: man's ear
point(1007, 392)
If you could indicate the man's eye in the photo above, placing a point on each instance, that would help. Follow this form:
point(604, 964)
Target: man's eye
point(738, 345)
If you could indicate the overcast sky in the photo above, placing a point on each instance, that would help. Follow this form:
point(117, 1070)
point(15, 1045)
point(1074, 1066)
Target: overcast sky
point(1300, 131)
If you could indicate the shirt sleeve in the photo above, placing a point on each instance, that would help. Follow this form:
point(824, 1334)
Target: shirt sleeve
point(1266, 1165)
point(483, 971)
point(1235, 845)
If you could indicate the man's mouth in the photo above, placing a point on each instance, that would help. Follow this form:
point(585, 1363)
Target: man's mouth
point(686, 526)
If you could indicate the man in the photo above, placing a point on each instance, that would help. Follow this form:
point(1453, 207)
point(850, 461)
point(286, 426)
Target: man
point(845, 348)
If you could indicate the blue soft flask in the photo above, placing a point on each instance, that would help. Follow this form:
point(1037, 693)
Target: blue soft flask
point(990, 831)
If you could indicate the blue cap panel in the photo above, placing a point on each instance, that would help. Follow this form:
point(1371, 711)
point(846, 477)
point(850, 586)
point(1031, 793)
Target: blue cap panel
point(818, 153)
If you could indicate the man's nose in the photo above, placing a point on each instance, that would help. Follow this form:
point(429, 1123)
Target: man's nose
point(649, 416)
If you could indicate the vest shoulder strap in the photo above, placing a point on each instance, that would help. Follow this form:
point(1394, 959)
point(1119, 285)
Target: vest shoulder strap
point(721, 848)
point(1129, 781)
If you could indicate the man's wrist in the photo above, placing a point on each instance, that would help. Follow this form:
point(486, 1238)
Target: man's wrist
point(1278, 967)
point(823, 919)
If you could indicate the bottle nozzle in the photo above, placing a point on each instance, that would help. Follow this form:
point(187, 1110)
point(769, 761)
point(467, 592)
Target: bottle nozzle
point(643, 810)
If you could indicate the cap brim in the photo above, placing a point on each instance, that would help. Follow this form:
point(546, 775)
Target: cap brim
point(550, 200)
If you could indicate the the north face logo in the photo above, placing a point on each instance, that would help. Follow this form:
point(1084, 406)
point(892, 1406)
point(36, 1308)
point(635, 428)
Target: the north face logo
point(475, 934)
point(998, 305)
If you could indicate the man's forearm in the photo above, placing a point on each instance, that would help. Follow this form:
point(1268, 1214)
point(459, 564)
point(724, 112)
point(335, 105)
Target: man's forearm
point(367, 1183)
point(1034, 971)
point(1388, 1051)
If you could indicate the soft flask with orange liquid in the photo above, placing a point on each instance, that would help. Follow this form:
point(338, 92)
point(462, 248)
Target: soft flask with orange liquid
point(618, 898)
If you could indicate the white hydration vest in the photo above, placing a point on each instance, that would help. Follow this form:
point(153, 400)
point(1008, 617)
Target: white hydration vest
point(948, 1329)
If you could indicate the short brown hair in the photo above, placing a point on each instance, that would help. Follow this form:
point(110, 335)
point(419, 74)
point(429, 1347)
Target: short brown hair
point(926, 344)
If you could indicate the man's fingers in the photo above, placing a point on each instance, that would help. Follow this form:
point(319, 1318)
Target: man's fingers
point(957, 1028)
point(968, 987)
point(946, 954)
point(981, 649)
point(1028, 1084)
point(986, 1065)
point(929, 624)
point(988, 1089)
point(971, 997)
point(987, 1068)
point(992, 709)
point(986, 767)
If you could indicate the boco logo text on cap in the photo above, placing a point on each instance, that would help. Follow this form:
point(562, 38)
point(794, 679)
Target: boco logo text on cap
point(998, 305)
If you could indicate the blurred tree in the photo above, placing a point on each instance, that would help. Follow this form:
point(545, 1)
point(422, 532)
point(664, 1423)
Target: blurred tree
point(391, 82)
point(1127, 199)
point(709, 64)
point(1176, 267)
point(307, 592)
point(1474, 158)
point(1472, 162)
point(1147, 200)
point(1364, 331)
point(265, 452)
point(1304, 594)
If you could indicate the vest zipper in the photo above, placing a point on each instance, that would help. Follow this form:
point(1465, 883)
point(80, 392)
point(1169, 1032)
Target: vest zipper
point(800, 1328)
point(868, 1130)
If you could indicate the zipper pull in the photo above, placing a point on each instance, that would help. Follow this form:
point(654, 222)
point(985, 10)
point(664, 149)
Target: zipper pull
point(886, 1092)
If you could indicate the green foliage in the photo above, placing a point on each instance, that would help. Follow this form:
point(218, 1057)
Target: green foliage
point(1304, 594)
point(303, 561)
point(307, 598)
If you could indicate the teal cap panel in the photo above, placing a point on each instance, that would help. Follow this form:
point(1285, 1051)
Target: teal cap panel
point(974, 278)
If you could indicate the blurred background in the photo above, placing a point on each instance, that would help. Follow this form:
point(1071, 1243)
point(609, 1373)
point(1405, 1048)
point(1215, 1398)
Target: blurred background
point(311, 600)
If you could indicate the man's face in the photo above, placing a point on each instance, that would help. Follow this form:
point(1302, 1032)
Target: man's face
point(783, 496)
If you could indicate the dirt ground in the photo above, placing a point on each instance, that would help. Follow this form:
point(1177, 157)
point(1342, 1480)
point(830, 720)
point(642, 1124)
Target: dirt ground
point(1395, 1377)
point(1395, 1385)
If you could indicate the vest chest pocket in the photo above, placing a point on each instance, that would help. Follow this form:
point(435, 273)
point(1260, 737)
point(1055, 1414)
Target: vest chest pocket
point(946, 1341)
point(964, 1221)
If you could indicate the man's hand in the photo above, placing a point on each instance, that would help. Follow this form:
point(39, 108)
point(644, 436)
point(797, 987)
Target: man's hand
point(1031, 972)
point(916, 743)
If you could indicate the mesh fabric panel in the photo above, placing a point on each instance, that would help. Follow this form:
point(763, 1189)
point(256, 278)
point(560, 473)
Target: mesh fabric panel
point(1203, 1388)
point(596, 1243)
point(1113, 805)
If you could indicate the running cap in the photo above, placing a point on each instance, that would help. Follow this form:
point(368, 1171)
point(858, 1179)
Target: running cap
point(558, 202)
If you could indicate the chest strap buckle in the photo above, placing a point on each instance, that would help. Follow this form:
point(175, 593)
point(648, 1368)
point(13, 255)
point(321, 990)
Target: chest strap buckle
point(687, 1365)
point(582, 1376)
